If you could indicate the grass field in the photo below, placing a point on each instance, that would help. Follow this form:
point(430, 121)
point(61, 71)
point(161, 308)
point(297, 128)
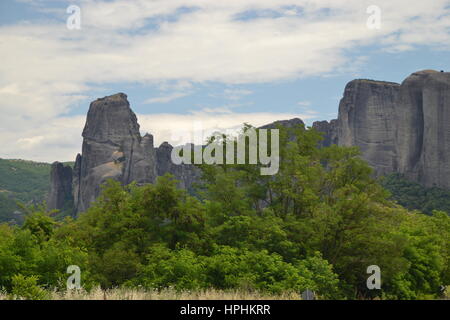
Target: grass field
point(166, 294)
point(169, 294)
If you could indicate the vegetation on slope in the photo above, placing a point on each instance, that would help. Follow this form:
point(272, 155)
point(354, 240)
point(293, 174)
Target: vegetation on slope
point(414, 196)
point(24, 181)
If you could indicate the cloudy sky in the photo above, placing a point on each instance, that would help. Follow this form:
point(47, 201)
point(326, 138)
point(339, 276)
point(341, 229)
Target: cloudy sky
point(221, 63)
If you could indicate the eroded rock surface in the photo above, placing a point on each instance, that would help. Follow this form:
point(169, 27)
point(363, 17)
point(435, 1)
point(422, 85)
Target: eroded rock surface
point(60, 186)
point(401, 127)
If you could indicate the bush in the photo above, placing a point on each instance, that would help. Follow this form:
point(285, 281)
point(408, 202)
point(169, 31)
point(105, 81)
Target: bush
point(27, 288)
point(232, 268)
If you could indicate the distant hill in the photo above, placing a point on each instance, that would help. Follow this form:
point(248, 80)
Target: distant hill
point(24, 181)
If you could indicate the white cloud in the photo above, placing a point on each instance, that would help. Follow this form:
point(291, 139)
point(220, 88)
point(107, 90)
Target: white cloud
point(225, 109)
point(166, 99)
point(236, 94)
point(46, 68)
point(56, 140)
point(304, 103)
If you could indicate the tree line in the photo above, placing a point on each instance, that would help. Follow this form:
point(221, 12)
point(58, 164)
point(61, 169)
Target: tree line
point(317, 224)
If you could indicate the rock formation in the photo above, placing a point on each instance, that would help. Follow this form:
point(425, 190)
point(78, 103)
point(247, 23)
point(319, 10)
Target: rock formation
point(284, 123)
point(60, 186)
point(187, 175)
point(287, 124)
point(401, 128)
point(367, 120)
point(113, 148)
point(329, 130)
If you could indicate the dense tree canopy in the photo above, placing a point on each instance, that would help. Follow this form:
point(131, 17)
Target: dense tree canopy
point(317, 224)
point(412, 195)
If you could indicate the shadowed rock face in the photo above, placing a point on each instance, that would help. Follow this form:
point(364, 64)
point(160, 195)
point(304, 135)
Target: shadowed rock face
point(433, 166)
point(186, 174)
point(329, 130)
point(61, 186)
point(284, 123)
point(292, 123)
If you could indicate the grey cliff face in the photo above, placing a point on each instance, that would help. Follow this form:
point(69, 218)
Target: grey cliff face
point(76, 183)
point(291, 123)
point(433, 167)
point(112, 149)
point(367, 120)
point(61, 185)
point(401, 127)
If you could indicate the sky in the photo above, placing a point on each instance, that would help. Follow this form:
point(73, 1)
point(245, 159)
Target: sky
point(218, 63)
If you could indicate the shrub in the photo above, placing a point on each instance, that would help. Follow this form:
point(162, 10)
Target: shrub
point(27, 288)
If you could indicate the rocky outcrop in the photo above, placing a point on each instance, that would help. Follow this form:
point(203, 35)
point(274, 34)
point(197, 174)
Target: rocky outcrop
point(113, 148)
point(186, 174)
point(401, 128)
point(284, 123)
point(428, 157)
point(60, 186)
point(291, 123)
point(329, 131)
point(367, 119)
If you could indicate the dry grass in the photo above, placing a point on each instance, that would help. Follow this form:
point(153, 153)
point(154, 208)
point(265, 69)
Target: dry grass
point(171, 294)
point(166, 294)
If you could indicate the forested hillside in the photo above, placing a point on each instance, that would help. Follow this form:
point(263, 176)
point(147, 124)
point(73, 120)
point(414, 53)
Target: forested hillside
point(413, 196)
point(24, 181)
